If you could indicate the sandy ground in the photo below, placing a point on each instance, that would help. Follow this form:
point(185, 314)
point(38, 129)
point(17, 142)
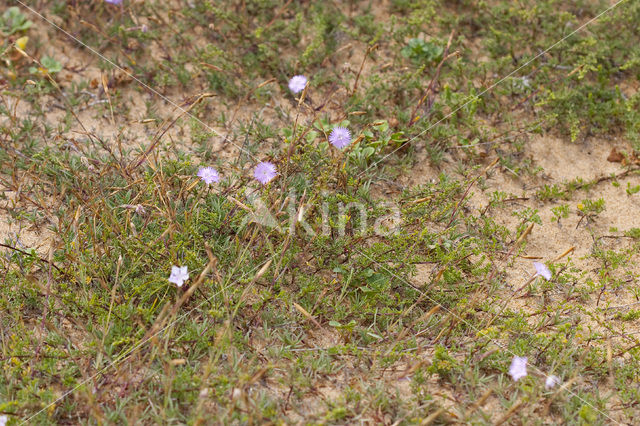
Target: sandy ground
point(560, 160)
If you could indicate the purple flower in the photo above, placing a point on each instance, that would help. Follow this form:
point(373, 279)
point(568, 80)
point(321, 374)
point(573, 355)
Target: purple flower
point(118, 2)
point(208, 175)
point(518, 367)
point(542, 270)
point(551, 382)
point(178, 275)
point(297, 83)
point(265, 172)
point(139, 208)
point(340, 137)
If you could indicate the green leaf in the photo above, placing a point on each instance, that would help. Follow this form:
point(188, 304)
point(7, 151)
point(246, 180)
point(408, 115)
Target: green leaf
point(13, 21)
point(422, 52)
point(368, 151)
point(51, 64)
point(311, 136)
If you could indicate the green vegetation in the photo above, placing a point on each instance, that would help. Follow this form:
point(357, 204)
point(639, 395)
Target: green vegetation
point(395, 283)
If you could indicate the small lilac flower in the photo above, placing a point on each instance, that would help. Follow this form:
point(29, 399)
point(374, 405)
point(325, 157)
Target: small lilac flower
point(117, 2)
point(208, 175)
point(542, 270)
point(178, 275)
point(265, 172)
point(340, 137)
point(297, 83)
point(3, 420)
point(551, 382)
point(139, 208)
point(518, 367)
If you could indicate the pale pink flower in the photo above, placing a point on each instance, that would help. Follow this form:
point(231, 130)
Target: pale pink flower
point(297, 83)
point(208, 175)
point(340, 137)
point(518, 367)
point(265, 172)
point(178, 275)
point(542, 270)
point(551, 382)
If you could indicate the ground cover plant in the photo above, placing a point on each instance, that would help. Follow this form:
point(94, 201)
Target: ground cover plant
point(319, 212)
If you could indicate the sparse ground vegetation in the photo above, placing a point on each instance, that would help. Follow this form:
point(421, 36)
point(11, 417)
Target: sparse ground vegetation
point(484, 209)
